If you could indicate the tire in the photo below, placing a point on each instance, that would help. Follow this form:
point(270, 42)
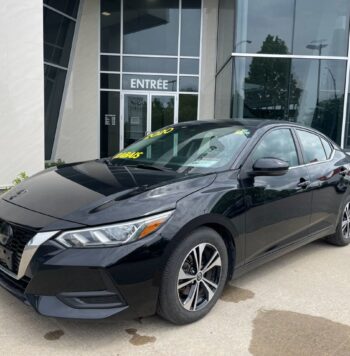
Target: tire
point(175, 303)
point(342, 234)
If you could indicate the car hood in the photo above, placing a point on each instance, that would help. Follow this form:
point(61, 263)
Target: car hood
point(94, 193)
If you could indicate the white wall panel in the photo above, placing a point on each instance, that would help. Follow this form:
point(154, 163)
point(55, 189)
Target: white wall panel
point(21, 88)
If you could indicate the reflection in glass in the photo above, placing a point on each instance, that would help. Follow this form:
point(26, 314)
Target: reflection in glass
point(69, 7)
point(190, 27)
point(54, 85)
point(109, 123)
point(149, 65)
point(162, 111)
point(135, 118)
point(110, 81)
point(188, 84)
point(302, 25)
point(188, 107)
point(310, 92)
point(321, 22)
point(189, 66)
point(110, 63)
point(110, 26)
point(257, 19)
point(151, 27)
point(58, 37)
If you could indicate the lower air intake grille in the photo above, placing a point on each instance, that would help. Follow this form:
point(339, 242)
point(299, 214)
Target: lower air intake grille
point(16, 245)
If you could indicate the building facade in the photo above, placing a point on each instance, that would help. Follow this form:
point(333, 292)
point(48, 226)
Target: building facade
point(113, 70)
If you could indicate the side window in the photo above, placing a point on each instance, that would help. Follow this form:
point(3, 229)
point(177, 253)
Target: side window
point(277, 144)
point(327, 147)
point(312, 147)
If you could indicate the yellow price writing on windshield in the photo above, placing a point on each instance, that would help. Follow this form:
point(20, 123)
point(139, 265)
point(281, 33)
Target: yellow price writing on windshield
point(242, 132)
point(159, 133)
point(128, 155)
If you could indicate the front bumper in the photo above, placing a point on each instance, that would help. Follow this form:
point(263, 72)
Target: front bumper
point(91, 283)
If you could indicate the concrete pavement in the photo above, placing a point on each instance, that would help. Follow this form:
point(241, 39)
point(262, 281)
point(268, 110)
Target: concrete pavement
point(296, 305)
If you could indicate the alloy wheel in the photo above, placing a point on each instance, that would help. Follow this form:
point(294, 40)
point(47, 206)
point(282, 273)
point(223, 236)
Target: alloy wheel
point(346, 222)
point(199, 277)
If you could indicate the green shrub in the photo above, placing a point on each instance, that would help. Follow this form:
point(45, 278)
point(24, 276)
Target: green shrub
point(58, 163)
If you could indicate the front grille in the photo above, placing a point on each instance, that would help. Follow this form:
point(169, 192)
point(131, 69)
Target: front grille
point(16, 245)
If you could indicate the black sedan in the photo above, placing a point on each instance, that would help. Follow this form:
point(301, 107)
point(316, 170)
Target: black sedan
point(164, 224)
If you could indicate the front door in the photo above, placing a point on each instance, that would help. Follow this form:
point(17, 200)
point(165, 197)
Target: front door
point(279, 208)
point(145, 112)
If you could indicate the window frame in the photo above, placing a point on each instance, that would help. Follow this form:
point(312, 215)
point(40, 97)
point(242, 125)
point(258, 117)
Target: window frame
point(305, 163)
point(249, 160)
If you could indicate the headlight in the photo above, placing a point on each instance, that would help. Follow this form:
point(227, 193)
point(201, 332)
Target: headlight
point(113, 235)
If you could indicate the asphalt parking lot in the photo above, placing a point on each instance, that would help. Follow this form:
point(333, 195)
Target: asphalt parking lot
point(296, 305)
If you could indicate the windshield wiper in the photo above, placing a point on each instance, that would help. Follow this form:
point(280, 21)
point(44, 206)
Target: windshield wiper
point(153, 167)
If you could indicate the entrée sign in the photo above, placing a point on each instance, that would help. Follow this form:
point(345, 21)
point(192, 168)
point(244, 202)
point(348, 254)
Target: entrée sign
point(150, 84)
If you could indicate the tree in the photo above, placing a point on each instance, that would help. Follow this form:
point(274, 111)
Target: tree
point(271, 89)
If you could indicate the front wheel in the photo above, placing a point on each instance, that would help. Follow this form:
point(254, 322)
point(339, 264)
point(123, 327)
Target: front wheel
point(342, 234)
point(194, 277)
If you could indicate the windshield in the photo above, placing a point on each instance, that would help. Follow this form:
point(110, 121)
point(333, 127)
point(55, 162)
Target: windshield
point(187, 148)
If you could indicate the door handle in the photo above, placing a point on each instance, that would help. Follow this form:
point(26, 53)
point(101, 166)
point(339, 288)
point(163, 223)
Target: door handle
point(303, 183)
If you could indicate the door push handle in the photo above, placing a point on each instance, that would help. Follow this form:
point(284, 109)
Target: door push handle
point(303, 183)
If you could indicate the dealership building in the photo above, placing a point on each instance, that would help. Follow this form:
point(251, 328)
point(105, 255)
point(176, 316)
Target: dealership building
point(82, 79)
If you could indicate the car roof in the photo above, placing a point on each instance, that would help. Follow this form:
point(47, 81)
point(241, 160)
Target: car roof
point(252, 123)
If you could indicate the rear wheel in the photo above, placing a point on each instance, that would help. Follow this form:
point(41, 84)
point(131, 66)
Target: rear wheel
point(342, 235)
point(194, 277)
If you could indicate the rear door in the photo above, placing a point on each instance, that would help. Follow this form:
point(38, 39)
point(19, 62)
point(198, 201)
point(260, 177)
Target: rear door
point(278, 208)
point(327, 182)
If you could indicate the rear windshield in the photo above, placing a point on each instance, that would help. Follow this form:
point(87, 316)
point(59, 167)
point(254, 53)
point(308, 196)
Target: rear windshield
point(187, 148)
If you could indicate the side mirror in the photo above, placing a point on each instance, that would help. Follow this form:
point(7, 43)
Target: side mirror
point(270, 167)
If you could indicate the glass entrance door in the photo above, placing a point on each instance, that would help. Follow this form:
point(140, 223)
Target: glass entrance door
point(135, 117)
point(162, 113)
point(145, 112)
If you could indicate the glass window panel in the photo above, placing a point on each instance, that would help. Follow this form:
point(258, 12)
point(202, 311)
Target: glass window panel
point(149, 82)
point(307, 91)
point(225, 31)
point(69, 7)
point(321, 27)
point(135, 118)
point(162, 111)
point(54, 86)
point(190, 27)
point(110, 63)
point(264, 26)
point(277, 144)
point(327, 147)
point(188, 84)
point(188, 107)
point(58, 37)
point(317, 95)
point(151, 27)
point(109, 123)
point(189, 66)
point(110, 81)
point(260, 88)
point(312, 147)
point(110, 26)
point(150, 65)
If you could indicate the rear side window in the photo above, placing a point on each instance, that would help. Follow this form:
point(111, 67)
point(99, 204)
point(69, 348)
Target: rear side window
point(277, 144)
point(327, 147)
point(312, 147)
